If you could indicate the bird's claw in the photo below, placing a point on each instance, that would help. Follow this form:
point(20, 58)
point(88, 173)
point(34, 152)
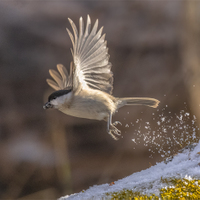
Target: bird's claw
point(113, 131)
point(116, 123)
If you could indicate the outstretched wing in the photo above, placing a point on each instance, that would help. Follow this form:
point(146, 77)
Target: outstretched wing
point(61, 81)
point(91, 66)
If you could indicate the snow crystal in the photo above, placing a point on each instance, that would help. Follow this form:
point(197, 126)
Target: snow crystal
point(169, 132)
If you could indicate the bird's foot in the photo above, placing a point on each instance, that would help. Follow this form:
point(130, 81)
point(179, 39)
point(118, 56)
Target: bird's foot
point(113, 131)
point(116, 123)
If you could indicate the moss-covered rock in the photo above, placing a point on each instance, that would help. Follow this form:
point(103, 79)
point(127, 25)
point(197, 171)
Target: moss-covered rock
point(177, 189)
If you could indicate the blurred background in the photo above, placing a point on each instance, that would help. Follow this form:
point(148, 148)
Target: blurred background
point(154, 48)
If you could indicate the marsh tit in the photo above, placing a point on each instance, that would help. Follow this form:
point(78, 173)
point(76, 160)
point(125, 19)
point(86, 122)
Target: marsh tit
point(86, 92)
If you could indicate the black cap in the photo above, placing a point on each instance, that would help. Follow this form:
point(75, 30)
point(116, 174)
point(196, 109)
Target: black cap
point(58, 93)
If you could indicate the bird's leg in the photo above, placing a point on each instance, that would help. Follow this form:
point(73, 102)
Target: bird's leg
point(112, 130)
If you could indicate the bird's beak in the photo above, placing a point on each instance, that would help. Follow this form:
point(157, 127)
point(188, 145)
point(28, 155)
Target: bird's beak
point(47, 105)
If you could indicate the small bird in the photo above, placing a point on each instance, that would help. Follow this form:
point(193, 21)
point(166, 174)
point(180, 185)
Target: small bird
point(86, 92)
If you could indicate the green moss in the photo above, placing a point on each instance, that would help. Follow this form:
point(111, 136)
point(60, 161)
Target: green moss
point(182, 189)
point(129, 194)
point(176, 189)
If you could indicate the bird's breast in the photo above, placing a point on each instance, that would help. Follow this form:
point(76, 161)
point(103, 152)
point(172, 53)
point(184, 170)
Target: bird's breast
point(90, 105)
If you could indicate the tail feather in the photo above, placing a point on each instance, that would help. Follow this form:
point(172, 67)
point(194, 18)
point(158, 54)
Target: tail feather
point(151, 102)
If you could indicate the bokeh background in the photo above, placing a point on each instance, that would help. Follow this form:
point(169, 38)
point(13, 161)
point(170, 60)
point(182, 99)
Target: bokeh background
point(154, 47)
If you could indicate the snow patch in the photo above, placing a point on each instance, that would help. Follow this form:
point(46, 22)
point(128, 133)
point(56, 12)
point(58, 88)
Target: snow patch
point(183, 165)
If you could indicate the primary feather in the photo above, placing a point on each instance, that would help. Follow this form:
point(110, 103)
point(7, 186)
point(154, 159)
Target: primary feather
point(61, 81)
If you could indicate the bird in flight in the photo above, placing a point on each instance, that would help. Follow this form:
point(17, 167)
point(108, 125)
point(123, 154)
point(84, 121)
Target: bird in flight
point(86, 91)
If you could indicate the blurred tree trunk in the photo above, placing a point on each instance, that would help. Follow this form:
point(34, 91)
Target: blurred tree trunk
point(62, 163)
point(191, 53)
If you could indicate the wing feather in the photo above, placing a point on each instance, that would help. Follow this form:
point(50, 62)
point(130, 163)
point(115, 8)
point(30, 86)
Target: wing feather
point(91, 66)
point(63, 72)
point(56, 76)
point(61, 81)
point(75, 35)
point(95, 47)
point(87, 30)
point(53, 84)
point(71, 37)
point(91, 40)
point(81, 30)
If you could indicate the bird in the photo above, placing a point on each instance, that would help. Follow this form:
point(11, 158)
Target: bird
point(86, 91)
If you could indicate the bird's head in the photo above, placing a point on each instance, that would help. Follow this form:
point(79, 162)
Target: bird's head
point(58, 98)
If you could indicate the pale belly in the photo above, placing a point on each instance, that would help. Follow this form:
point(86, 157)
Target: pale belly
point(90, 107)
point(86, 113)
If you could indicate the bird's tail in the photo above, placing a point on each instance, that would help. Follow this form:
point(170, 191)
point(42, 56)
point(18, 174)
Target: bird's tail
point(151, 102)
